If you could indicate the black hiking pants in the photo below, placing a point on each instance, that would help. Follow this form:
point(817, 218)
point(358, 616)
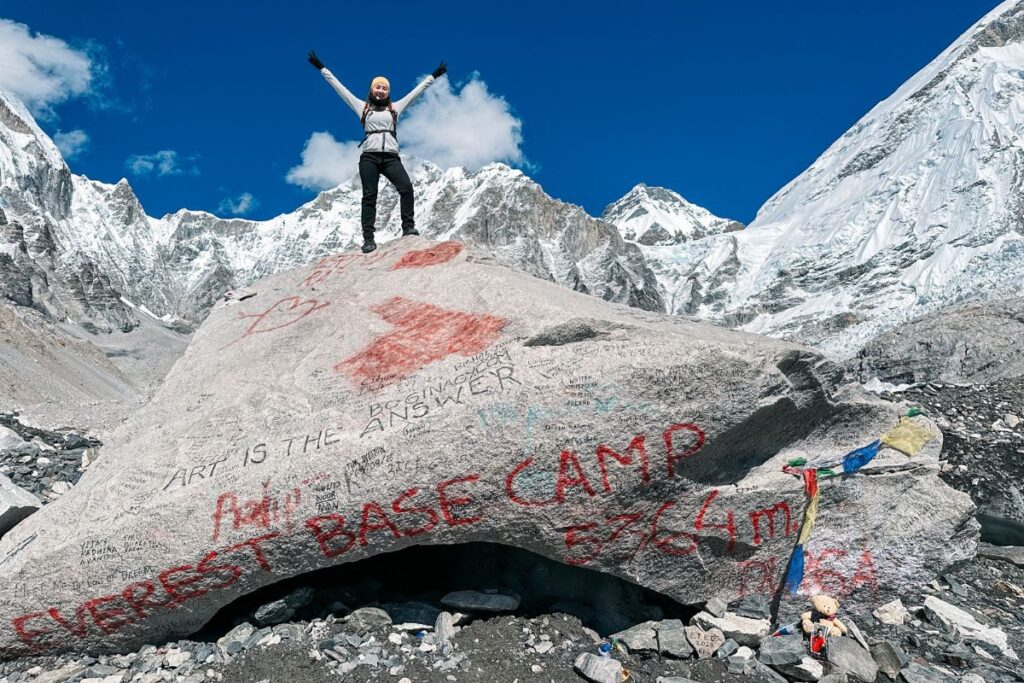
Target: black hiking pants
point(371, 166)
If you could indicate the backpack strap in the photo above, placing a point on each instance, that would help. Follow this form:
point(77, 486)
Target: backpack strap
point(394, 122)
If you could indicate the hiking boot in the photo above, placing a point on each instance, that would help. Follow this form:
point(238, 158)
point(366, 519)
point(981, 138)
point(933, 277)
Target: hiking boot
point(410, 231)
point(368, 244)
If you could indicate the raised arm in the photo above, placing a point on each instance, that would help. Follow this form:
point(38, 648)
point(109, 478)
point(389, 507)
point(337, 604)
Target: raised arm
point(351, 100)
point(401, 104)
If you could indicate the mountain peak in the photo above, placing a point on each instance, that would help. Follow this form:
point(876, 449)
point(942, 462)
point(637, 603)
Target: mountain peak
point(915, 208)
point(657, 216)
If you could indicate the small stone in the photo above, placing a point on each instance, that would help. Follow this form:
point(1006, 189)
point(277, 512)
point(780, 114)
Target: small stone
point(889, 657)
point(598, 669)
point(232, 641)
point(543, 647)
point(923, 673)
point(640, 638)
point(1011, 420)
point(706, 643)
point(412, 611)
point(741, 662)
point(60, 488)
point(475, 601)
point(958, 655)
point(300, 597)
point(716, 607)
point(846, 654)
point(536, 668)
point(955, 585)
point(367, 618)
point(777, 650)
point(672, 639)
point(892, 613)
point(73, 441)
point(955, 620)
point(807, 669)
point(394, 639)
point(729, 647)
point(273, 613)
point(175, 659)
point(743, 630)
point(444, 627)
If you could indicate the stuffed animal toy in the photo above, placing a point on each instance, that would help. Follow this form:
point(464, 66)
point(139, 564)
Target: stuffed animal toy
point(823, 613)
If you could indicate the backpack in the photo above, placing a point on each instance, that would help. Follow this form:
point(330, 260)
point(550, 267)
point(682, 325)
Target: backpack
point(394, 122)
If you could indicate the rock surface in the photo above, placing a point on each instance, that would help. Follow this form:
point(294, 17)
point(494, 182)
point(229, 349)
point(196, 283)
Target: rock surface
point(15, 504)
point(846, 654)
point(367, 403)
point(975, 343)
point(962, 623)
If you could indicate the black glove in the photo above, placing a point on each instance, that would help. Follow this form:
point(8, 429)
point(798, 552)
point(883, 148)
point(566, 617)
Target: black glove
point(315, 61)
point(440, 70)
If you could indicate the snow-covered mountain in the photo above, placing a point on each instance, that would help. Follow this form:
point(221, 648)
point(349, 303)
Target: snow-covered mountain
point(86, 251)
point(661, 223)
point(656, 216)
point(919, 206)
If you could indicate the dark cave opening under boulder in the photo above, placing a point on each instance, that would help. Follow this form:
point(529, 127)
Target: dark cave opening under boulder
point(410, 583)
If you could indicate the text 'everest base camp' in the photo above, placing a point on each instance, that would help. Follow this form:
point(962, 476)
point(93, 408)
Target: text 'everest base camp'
point(427, 395)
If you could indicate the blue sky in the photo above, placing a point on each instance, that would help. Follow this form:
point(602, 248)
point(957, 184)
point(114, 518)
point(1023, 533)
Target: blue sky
point(212, 105)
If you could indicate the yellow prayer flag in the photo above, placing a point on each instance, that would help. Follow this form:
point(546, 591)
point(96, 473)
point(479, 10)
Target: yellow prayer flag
point(908, 436)
point(810, 514)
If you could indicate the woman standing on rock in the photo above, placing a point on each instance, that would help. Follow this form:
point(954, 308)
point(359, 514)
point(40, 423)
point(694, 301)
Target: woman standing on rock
point(379, 116)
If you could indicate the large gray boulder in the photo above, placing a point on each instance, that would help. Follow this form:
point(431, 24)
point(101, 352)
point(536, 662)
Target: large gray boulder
point(977, 343)
point(425, 394)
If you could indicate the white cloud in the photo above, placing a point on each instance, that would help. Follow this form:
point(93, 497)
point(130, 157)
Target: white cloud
point(238, 207)
point(164, 162)
point(469, 128)
point(325, 163)
point(41, 70)
point(71, 143)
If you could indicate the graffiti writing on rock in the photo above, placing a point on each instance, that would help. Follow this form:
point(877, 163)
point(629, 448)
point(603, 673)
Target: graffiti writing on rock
point(585, 400)
point(375, 465)
point(490, 376)
point(263, 512)
point(303, 444)
point(330, 266)
point(282, 313)
point(139, 600)
point(565, 482)
point(183, 476)
point(669, 528)
point(423, 334)
point(432, 256)
point(835, 571)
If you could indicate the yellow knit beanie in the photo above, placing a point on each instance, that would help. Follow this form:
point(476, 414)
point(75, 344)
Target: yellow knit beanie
point(380, 79)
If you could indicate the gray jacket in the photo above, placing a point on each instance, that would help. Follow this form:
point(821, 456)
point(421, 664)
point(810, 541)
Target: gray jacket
point(379, 124)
